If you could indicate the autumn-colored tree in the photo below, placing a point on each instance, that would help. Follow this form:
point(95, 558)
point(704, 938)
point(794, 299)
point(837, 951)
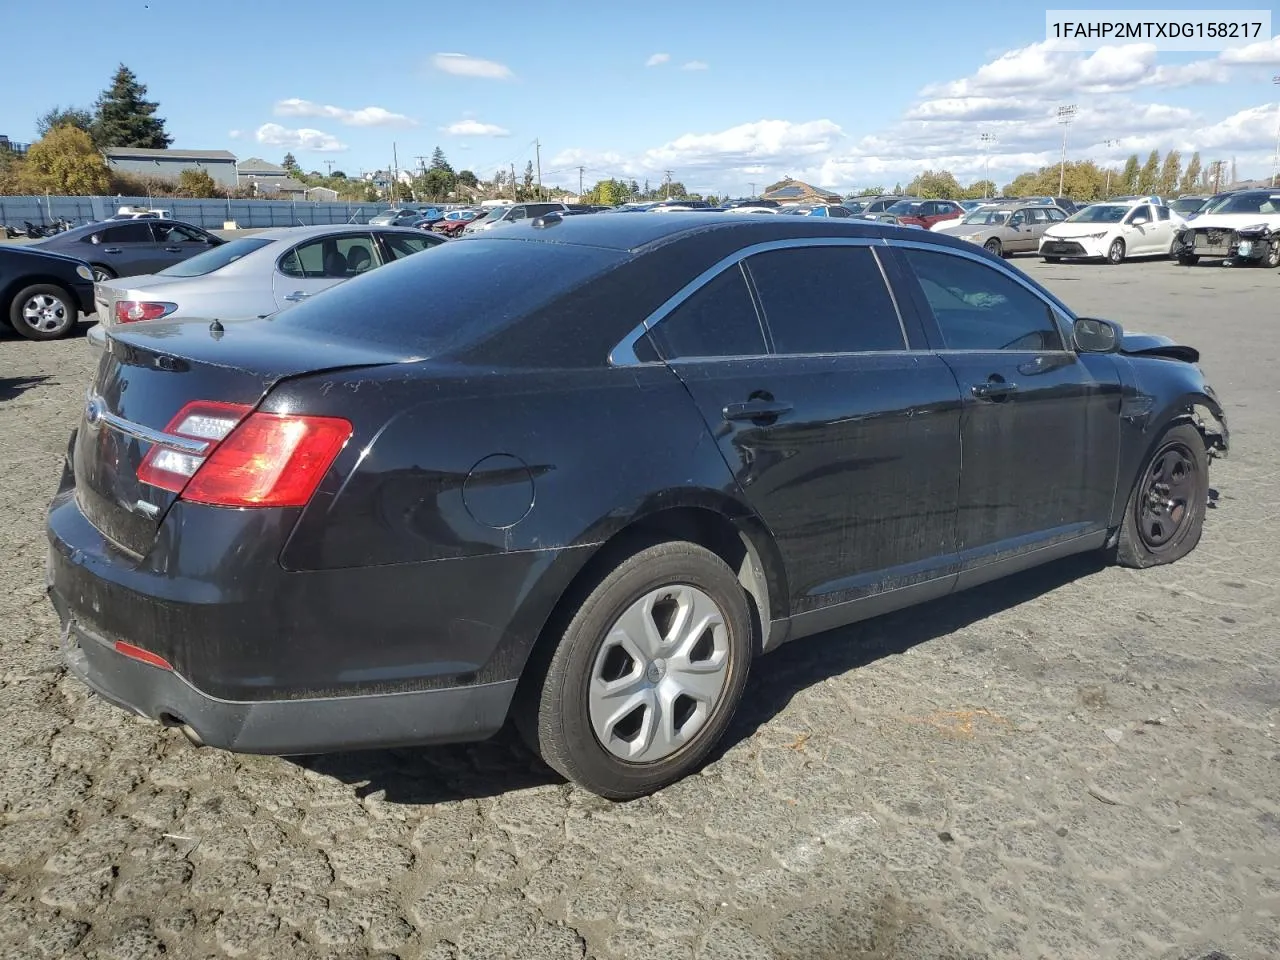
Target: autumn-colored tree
point(65, 162)
point(197, 183)
point(980, 190)
point(1170, 174)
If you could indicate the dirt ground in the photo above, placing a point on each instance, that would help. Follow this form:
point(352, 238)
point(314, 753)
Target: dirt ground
point(1081, 761)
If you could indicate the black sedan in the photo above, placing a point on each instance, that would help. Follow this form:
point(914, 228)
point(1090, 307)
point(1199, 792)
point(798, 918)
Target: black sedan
point(583, 470)
point(129, 248)
point(42, 294)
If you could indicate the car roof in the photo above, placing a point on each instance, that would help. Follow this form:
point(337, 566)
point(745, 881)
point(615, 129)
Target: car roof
point(633, 234)
point(304, 233)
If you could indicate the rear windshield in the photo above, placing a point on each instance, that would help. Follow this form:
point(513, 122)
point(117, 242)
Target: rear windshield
point(451, 296)
point(205, 263)
point(1247, 203)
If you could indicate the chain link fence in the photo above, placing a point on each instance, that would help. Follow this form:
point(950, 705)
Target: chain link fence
point(210, 214)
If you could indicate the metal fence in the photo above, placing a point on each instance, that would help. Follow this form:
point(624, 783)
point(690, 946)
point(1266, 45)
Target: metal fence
point(210, 214)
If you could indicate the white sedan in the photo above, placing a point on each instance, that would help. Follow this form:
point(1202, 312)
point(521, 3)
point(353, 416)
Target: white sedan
point(1114, 230)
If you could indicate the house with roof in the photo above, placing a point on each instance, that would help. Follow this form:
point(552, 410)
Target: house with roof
point(269, 179)
point(788, 190)
point(169, 164)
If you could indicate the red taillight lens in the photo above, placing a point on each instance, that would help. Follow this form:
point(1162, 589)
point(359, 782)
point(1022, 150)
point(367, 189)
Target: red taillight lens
point(131, 311)
point(270, 460)
point(206, 420)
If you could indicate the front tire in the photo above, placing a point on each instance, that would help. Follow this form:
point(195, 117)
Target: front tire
point(646, 676)
point(1164, 517)
point(43, 312)
point(1115, 252)
point(1052, 259)
point(1188, 259)
point(1272, 258)
point(993, 247)
point(102, 274)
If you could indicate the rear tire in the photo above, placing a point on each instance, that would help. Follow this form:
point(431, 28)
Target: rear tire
point(1164, 517)
point(1272, 257)
point(1052, 259)
point(1188, 259)
point(668, 630)
point(994, 247)
point(43, 311)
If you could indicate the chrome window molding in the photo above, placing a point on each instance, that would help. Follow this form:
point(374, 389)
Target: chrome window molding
point(624, 353)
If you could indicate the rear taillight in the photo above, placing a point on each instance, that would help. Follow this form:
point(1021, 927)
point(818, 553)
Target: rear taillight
point(131, 311)
point(259, 460)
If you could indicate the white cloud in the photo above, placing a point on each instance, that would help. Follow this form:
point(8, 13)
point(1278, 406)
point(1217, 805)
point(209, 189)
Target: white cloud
point(657, 59)
point(1263, 52)
point(304, 138)
point(764, 140)
point(461, 65)
point(364, 117)
point(474, 128)
point(696, 65)
point(235, 134)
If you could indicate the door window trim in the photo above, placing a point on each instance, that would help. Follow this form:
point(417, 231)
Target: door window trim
point(623, 353)
point(1059, 310)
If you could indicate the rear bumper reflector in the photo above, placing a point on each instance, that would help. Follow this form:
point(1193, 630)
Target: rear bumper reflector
point(143, 656)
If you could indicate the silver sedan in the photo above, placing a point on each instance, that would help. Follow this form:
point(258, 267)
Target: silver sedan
point(257, 275)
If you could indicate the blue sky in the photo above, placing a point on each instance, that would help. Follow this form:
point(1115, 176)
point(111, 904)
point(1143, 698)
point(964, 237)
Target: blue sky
point(845, 94)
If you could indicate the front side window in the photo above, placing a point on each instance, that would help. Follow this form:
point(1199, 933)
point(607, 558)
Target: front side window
point(718, 319)
point(332, 258)
point(826, 299)
point(401, 245)
point(176, 233)
point(978, 307)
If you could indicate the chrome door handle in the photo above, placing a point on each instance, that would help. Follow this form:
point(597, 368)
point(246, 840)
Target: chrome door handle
point(759, 409)
point(112, 250)
point(993, 390)
point(297, 296)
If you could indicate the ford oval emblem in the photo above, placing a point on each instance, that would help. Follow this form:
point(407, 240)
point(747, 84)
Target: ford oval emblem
point(93, 411)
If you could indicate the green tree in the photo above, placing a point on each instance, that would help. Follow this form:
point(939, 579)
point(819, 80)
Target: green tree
point(435, 184)
point(935, 185)
point(438, 161)
point(337, 175)
point(1170, 174)
point(1149, 176)
point(290, 163)
point(468, 179)
point(1130, 175)
point(123, 117)
point(65, 161)
point(980, 190)
point(527, 181)
point(197, 183)
point(401, 191)
point(1191, 176)
point(78, 117)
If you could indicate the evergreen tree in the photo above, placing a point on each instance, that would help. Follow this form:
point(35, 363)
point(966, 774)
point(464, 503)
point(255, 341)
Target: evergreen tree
point(123, 117)
point(1191, 177)
point(1149, 176)
point(1170, 173)
point(79, 117)
point(438, 162)
point(1129, 178)
point(290, 163)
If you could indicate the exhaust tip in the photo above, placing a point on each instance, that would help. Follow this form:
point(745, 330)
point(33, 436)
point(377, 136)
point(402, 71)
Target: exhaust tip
point(188, 731)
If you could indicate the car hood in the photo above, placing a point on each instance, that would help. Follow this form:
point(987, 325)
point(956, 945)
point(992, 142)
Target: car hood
point(35, 251)
point(1157, 345)
point(1234, 221)
point(956, 226)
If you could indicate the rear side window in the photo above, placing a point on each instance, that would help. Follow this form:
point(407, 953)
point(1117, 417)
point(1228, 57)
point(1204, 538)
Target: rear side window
point(717, 320)
point(826, 300)
point(133, 232)
point(464, 293)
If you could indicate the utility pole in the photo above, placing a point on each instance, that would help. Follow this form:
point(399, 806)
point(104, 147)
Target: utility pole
point(1109, 144)
point(668, 184)
point(581, 171)
point(752, 185)
point(1066, 115)
point(329, 164)
point(987, 140)
point(395, 171)
point(1275, 161)
point(513, 182)
point(537, 157)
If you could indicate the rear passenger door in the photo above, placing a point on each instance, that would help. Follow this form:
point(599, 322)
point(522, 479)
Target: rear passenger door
point(843, 438)
point(127, 249)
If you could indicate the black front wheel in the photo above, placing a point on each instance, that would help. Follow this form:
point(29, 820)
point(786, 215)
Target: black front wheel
point(1165, 514)
point(43, 312)
point(1188, 259)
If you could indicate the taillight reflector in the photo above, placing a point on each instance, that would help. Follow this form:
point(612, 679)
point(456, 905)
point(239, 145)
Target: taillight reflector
point(206, 420)
point(131, 311)
point(269, 460)
point(144, 656)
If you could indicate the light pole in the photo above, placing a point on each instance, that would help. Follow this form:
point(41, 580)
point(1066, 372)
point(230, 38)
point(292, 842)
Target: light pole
point(1066, 115)
point(1109, 144)
point(1275, 161)
point(987, 140)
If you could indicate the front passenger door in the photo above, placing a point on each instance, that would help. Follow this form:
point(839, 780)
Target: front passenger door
point(316, 265)
point(1041, 425)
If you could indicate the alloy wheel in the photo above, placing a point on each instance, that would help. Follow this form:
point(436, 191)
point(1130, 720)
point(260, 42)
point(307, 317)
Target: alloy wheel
point(44, 313)
point(659, 674)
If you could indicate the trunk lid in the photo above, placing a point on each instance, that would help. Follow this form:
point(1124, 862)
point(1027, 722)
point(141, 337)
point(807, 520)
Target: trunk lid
point(148, 373)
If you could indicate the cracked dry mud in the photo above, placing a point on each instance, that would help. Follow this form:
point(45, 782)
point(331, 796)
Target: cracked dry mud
point(1078, 762)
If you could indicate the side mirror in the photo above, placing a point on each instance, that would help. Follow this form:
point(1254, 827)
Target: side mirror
point(1097, 336)
point(1139, 222)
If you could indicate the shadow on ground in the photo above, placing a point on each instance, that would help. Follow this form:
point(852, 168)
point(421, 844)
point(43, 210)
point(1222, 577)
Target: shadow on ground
point(11, 387)
point(438, 774)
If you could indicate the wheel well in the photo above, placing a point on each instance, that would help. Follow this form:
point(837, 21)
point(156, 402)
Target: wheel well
point(752, 561)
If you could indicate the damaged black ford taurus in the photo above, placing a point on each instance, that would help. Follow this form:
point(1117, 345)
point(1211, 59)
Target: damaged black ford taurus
point(579, 473)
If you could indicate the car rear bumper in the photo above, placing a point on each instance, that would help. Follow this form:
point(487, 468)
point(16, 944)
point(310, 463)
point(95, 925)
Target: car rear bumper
point(282, 727)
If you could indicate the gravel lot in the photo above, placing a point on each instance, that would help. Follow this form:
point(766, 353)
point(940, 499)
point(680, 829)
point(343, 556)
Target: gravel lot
point(1078, 762)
